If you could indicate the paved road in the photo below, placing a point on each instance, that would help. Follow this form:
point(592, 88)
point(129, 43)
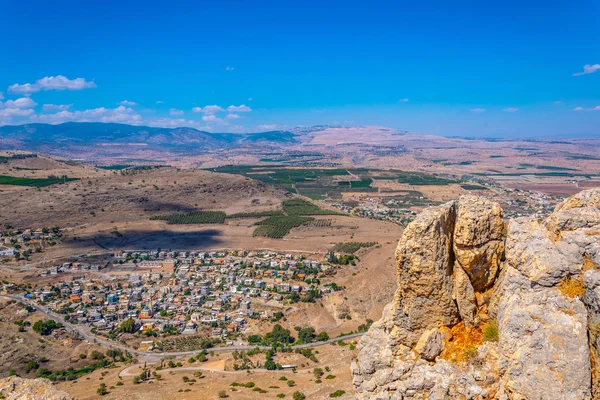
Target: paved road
point(85, 333)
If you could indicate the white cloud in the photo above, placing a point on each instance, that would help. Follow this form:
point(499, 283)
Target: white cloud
point(404, 100)
point(578, 109)
point(23, 102)
point(597, 108)
point(58, 82)
point(228, 68)
point(208, 110)
point(511, 110)
point(120, 114)
point(211, 118)
point(588, 69)
point(56, 107)
point(1, 95)
point(267, 127)
point(127, 103)
point(477, 110)
point(232, 116)
point(240, 108)
point(174, 111)
point(558, 102)
point(249, 98)
point(160, 102)
point(8, 113)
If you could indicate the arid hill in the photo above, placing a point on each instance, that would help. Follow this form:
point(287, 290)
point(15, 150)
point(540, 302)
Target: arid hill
point(487, 308)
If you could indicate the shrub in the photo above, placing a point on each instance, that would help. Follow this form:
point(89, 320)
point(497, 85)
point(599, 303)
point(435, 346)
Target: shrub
point(318, 372)
point(572, 287)
point(330, 376)
point(102, 390)
point(337, 393)
point(470, 352)
point(280, 396)
point(291, 383)
point(490, 331)
point(222, 394)
point(249, 384)
point(299, 396)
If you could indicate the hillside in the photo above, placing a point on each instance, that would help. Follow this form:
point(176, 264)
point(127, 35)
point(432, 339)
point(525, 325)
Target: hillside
point(488, 308)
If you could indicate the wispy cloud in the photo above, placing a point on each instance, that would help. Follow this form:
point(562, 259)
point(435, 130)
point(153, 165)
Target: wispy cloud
point(58, 82)
point(558, 102)
point(232, 116)
point(228, 68)
point(208, 110)
point(211, 118)
point(127, 103)
point(588, 69)
point(267, 127)
point(240, 108)
point(1, 95)
point(160, 102)
point(249, 98)
point(56, 107)
point(511, 109)
point(477, 110)
point(597, 108)
point(174, 111)
point(404, 100)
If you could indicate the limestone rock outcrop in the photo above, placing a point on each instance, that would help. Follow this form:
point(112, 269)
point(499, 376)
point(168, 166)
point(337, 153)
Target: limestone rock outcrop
point(490, 309)
point(15, 388)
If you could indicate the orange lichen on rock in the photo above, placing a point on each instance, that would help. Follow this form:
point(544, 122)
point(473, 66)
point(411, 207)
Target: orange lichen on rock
point(462, 343)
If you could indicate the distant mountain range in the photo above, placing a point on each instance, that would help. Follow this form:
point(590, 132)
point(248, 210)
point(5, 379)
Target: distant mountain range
point(32, 136)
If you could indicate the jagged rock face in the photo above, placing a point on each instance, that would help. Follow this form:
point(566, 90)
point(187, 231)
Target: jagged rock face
point(540, 281)
point(15, 388)
point(424, 265)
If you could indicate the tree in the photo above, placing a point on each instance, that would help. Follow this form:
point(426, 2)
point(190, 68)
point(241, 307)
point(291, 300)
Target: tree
point(127, 326)
point(46, 327)
point(278, 335)
point(102, 390)
point(322, 337)
point(254, 339)
point(318, 372)
point(306, 334)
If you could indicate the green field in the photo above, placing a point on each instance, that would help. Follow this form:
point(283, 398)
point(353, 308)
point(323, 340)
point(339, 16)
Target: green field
point(34, 182)
point(278, 227)
point(194, 217)
point(257, 214)
point(322, 183)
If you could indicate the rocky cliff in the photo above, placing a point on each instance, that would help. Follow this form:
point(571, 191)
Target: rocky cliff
point(15, 388)
point(490, 309)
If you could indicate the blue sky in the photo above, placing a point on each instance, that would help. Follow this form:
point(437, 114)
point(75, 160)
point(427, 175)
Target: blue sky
point(453, 68)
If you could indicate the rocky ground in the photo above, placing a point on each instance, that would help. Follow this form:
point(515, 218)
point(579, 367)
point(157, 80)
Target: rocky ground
point(487, 308)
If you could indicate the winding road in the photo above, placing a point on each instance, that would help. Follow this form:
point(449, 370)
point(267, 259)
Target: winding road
point(86, 334)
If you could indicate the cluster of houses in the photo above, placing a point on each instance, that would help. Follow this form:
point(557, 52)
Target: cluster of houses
point(182, 292)
point(13, 242)
point(380, 209)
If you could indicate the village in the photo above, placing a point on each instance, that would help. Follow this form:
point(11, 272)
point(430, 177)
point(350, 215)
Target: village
point(216, 294)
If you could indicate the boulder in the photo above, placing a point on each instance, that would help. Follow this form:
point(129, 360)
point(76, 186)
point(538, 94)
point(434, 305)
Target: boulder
point(430, 344)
